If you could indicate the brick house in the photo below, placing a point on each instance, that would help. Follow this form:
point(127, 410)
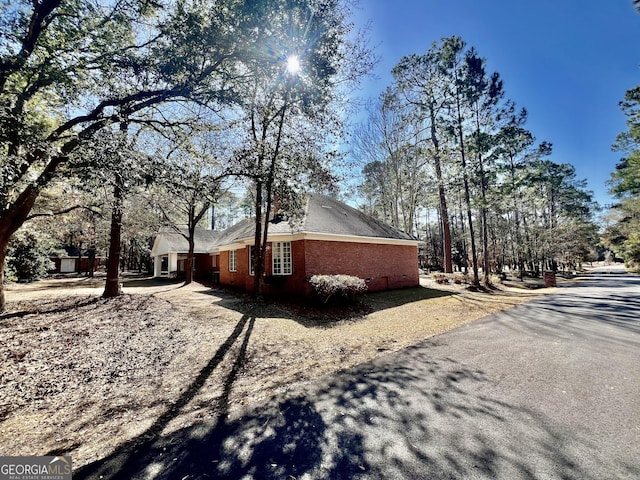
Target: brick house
point(329, 238)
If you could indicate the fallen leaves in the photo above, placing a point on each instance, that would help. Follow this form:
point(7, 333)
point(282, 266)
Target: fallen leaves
point(81, 374)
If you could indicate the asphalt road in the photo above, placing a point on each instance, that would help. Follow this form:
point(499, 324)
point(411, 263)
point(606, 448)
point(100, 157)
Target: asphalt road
point(547, 390)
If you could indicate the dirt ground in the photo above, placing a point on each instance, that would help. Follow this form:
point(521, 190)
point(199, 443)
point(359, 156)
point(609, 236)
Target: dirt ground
point(81, 375)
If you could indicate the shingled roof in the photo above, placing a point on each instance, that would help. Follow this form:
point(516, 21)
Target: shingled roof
point(205, 240)
point(321, 215)
point(327, 215)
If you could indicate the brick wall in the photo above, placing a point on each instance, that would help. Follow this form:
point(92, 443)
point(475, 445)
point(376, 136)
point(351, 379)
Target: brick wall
point(382, 266)
point(240, 278)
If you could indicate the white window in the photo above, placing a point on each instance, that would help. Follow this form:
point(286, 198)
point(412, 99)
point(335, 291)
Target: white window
point(281, 258)
point(233, 261)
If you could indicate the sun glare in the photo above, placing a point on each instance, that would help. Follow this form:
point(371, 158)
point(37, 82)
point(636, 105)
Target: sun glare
point(293, 64)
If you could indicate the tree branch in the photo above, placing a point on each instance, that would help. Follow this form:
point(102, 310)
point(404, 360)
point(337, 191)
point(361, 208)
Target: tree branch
point(61, 212)
point(37, 24)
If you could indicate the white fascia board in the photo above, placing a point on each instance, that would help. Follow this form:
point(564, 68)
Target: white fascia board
point(231, 246)
point(326, 237)
point(331, 237)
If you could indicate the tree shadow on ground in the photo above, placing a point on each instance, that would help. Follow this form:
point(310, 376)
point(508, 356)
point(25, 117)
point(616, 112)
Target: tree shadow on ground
point(312, 315)
point(148, 443)
point(414, 417)
point(54, 283)
point(611, 308)
point(51, 307)
point(403, 296)
point(150, 282)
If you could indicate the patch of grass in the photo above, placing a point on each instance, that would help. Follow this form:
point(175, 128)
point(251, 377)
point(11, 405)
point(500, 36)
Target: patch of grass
point(395, 298)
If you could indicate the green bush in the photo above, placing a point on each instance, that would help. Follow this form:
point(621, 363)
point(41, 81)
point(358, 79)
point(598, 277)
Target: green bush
point(337, 288)
point(27, 260)
point(631, 249)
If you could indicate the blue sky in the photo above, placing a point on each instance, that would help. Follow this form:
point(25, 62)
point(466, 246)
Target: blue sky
point(567, 62)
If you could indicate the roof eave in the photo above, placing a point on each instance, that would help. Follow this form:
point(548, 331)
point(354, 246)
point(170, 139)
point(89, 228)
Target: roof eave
point(327, 237)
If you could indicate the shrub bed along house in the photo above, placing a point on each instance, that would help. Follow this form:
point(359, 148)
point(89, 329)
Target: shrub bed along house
point(337, 288)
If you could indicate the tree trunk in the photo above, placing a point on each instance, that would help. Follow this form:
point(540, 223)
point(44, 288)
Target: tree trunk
point(112, 286)
point(191, 233)
point(483, 207)
point(260, 246)
point(188, 266)
point(91, 257)
point(486, 267)
point(444, 212)
point(446, 229)
point(257, 273)
point(467, 194)
point(10, 221)
point(474, 251)
point(518, 248)
point(4, 246)
point(79, 268)
point(463, 228)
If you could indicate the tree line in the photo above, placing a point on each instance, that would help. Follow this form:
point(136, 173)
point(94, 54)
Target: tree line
point(444, 140)
point(622, 224)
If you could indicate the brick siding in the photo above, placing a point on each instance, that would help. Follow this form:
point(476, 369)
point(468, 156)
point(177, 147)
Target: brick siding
point(382, 266)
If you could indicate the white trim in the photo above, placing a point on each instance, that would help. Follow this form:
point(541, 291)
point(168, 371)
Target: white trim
point(230, 246)
point(331, 237)
point(281, 258)
point(235, 260)
point(326, 237)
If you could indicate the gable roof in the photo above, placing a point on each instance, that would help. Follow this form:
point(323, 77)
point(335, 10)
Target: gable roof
point(170, 241)
point(328, 215)
point(323, 216)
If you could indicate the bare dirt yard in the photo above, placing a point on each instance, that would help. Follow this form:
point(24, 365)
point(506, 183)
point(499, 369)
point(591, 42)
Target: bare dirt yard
point(81, 375)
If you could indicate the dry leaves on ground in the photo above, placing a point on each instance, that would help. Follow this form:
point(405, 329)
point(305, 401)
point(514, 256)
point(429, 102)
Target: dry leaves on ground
point(82, 375)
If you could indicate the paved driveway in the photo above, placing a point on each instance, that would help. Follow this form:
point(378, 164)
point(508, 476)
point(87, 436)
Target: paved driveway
point(547, 390)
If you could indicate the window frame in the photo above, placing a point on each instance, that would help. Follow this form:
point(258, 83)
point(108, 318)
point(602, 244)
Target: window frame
point(233, 260)
point(281, 259)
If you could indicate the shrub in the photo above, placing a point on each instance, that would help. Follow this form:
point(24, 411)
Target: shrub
point(494, 279)
point(631, 249)
point(461, 278)
point(440, 278)
point(27, 260)
point(337, 288)
point(276, 281)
